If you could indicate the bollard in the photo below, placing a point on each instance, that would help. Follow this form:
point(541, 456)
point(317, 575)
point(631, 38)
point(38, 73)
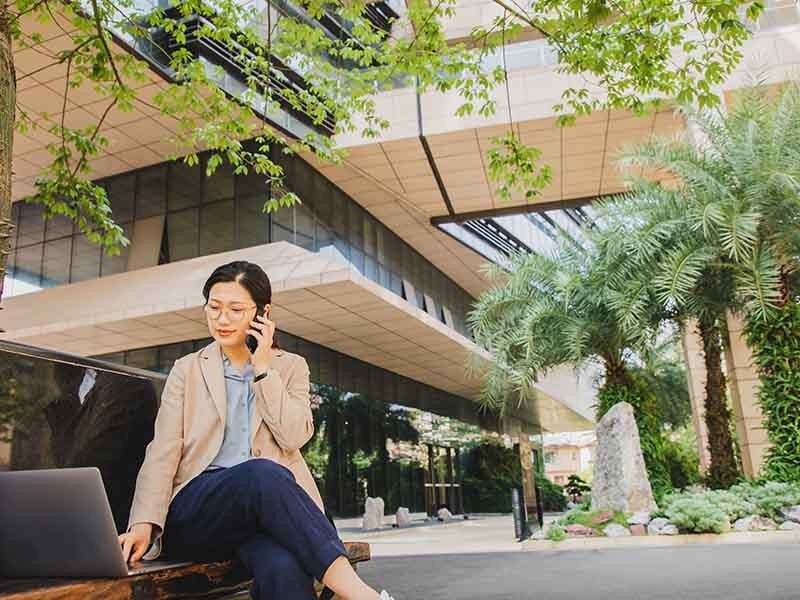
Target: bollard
point(516, 510)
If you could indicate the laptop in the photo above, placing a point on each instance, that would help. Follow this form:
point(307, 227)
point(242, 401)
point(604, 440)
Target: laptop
point(58, 523)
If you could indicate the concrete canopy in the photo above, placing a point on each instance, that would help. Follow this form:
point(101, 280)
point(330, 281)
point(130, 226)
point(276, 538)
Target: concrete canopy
point(316, 296)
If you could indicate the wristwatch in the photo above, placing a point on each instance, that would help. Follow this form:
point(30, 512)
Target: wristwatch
point(263, 375)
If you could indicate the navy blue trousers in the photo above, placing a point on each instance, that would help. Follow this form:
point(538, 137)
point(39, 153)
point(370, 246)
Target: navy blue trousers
point(255, 510)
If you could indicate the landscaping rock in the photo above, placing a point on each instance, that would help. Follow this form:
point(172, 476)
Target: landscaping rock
point(538, 535)
point(444, 515)
point(669, 529)
point(576, 530)
point(637, 530)
point(656, 525)
point(602, 517)
point(754, 523)
point(616, 530)
point(571, 505)
point(639, 518)
point(620, 479)
point(402, 517)
point(789, 526)
point(373, 514)
point(791, 513)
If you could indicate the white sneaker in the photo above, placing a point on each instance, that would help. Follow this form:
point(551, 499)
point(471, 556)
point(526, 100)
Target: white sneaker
point(385, 596)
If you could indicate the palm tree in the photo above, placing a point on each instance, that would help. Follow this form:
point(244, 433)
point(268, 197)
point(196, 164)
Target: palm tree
point(736, 211)
point(552, 309)
point(657, 250)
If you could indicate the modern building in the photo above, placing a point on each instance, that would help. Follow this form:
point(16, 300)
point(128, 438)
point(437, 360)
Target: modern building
point(373, 273)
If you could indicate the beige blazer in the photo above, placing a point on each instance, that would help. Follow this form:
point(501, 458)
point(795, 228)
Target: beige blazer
point(191, 423)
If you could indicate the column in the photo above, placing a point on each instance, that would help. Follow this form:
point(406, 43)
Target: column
point(743, 384)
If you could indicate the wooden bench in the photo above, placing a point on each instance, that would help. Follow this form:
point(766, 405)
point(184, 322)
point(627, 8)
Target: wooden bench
point(176, 580)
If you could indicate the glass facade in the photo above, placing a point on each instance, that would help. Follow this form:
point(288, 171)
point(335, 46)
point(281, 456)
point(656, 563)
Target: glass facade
point(59, 411)
point(207, 215)
point(377, 433)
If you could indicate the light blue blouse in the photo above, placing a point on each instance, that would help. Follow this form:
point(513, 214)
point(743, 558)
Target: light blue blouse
point(241, 398)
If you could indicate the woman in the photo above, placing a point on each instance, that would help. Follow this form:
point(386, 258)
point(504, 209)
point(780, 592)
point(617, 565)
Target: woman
point(224, 474)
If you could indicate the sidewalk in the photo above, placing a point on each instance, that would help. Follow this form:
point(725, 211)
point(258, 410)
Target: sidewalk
point(490, 534)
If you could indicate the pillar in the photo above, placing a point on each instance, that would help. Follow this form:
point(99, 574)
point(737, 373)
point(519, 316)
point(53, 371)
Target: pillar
point(743, 385)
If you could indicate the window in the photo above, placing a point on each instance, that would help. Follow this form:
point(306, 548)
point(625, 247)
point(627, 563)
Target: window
point(304, 227)
point(55, 266)
point(118, 263)
point(151, 192)
point(85, 259)
point(58, 226)
point(182, 234)
point(121, 192)
point(220, 185)
point(252, 223)
point(185, 186)
point(282, 225)
point(549, 458)
point(31, 225)
point(216, 228)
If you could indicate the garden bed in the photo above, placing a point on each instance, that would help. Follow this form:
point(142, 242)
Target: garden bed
point(744, 507)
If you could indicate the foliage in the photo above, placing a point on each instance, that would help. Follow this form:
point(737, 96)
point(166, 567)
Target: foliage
point(546, 310)
point(593, 519)
point(576, 487)
point(664, 374)
point(776, 354)
point(769, 497)
point(698, 514)
point(715, 510)
point(552, 498)
point(649, 427)
point(491, 472)
point(682, 460)
point(706, 511)
point(628, 51)
point(728, 238)
point(556, 533)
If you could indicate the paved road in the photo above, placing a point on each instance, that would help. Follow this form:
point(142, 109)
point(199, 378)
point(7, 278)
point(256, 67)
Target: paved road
point(736, 572)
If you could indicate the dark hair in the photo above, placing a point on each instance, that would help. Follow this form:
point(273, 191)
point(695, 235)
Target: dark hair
point(248, 275)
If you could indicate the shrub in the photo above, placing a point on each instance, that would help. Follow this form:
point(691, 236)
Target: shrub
point(553, 499)
point(583, 517)
point(576, 487)
point(556, 533)
point(696, 513)
point(768, 498)
point(710, 511)
point(682, 461)
point(491, 472)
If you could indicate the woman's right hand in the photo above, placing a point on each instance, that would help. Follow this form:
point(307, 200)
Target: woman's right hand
point(135, 542)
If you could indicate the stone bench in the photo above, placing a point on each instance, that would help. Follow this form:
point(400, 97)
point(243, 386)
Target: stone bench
point(167, 581)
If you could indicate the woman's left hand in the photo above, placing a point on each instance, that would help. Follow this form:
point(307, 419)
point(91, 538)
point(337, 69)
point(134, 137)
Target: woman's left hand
point(264, 331)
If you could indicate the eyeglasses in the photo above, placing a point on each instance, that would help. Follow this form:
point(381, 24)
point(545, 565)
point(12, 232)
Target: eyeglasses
point(234, 314)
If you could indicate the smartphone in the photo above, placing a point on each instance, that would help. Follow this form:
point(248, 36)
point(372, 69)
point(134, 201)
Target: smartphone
point(250, 340)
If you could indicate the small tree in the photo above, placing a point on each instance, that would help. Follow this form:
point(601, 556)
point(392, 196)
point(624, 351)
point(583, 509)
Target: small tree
point(731, 230)
point(556, 309)
point(576, 487)
point(626, 48)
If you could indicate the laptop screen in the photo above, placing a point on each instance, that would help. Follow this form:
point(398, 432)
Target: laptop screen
point(60, 411)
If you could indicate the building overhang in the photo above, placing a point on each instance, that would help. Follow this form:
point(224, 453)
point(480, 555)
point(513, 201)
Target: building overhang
point(316, 296)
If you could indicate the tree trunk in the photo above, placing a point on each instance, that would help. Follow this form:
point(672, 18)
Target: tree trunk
point(723, 471)
point(8, 100)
